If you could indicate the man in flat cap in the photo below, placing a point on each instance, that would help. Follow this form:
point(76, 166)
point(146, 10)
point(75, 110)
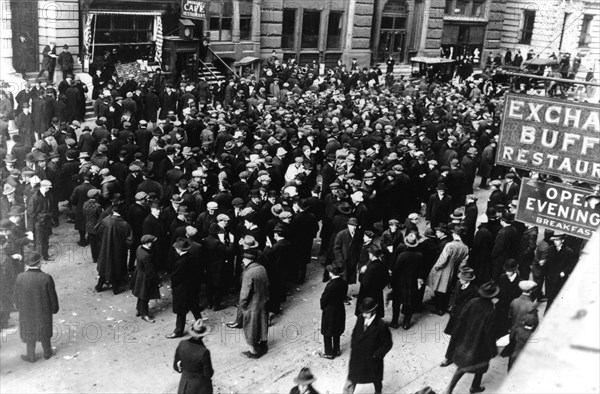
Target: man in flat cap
point(39, 211)
point(146, 281)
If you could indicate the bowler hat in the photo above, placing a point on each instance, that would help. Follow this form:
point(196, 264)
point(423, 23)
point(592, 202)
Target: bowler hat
point(367, 305)
point(466, 273)
point(510, 265)
point(182, 244)
point(248, 242)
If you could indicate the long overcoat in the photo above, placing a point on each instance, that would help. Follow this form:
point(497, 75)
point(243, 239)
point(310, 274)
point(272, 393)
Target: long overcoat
point(145, 279)
point(375, 278)
point(459, 299)
point(37, 301)
point(407, 269)
point(254, 295)
point(184, 283)
point(196, 367)
point(454, 254)
point(77, 199)
point(333, 316)
point(115, 238)
point(472, 341)
point(368, 350)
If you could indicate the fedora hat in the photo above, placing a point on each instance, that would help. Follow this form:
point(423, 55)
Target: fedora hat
point(555, 236)
point(182, 244)
point(248, 242)
point(489, 290)
point(367, 305)
point(411, 240)
point(458, 214)
point(198, 329)
point(466, 273)
point(305, 377)
point(344, 208)
point(335, 269)
point(8, 189)
point(5, 224)
point(510, 265)
point(33, 258)
point(16, 210)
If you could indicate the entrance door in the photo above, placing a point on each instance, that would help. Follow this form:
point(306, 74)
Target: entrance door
point(25, 21)
point(391, 43)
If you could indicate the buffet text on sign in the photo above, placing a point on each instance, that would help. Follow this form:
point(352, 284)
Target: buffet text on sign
point(193, 9)
point(551, 136)
point(557, 206)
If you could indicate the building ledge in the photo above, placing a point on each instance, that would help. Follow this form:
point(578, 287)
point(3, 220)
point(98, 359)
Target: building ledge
point(465, 19)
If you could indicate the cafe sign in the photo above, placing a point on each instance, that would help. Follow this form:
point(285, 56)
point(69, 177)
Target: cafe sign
point(193, 9)
point(551, 136)
point(557, 206)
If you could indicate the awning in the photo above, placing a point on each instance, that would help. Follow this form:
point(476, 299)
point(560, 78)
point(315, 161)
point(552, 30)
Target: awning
point(115, 12)
point(246, 61)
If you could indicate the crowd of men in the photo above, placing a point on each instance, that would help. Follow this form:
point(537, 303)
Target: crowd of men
point(225, 189)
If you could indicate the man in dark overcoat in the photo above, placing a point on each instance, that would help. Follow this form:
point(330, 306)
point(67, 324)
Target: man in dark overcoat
point(559, 268)
point(77, 199)
point(464, 292)
point(371, 341)
point(146, 280)
point(192, 361)
point(39, 213)
point(509, 290)
point(185, 286)
point(277, 260)
point(333, 315)
point(408, 278)
point(254, 294)
point(480, 256)
point(36, 301)
point(439, 207)
point(473, 341)
point(346, 250)
point(374, 279)
point(136, 213)
point(115, 237)
point(505, 245)
point(215, 256)
point(303, 230)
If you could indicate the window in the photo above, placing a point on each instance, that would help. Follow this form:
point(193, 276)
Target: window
point(334, 30)
point(311, 25)
point(220, 15)
point(585, 38)
point(387, 22)
point(461, 7)
point(528, 23)
point(245, 28)
point(123, 29)
point(473, 8)
point(289, 28)
point(214, 23)
point(478, 8)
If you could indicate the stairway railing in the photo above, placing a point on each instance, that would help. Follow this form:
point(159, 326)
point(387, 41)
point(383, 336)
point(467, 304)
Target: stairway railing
point(209, 70)
point(223, 62)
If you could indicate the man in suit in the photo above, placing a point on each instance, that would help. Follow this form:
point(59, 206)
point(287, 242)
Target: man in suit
point(371, 341)
point(346, 248)
point(511, 188)
point(192, 361)
point(303, 230)
point(333, 316)
point(37, 301)
point(39, 212)
point(505, 245)
point(522, 306)
point(48, 61)
point(374, 279)
point(65, 61)
point(559, 268)
point(439, 207)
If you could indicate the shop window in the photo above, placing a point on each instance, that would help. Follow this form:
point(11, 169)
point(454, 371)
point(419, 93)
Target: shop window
point(311, 25)
point(124, 29)
point(289, 28)
point(527, 30)
point(334, 30)
point(585, 37)
point(245, 28)
point(214, 23)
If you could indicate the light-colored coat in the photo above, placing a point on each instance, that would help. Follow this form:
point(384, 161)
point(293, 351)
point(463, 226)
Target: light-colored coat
point(454, 254)
point(254, 295)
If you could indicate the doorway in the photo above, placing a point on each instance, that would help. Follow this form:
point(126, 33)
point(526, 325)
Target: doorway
point(24, 21)
point(392, 38)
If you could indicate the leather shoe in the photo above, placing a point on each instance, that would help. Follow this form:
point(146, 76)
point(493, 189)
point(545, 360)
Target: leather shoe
point(47, 356)
point(174, 335)
point(148, 319)
point(249, 354)
point(395, 326)
point(474, 390)
point(233, 324)
point(325, 355)
point(406, 326)
point(445, 363)
point(29, 360)
point(439, 312)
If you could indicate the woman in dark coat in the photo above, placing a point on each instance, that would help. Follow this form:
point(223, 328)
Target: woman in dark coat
point(333, 317)
point(192, 361)
point(473, 341)
point(146, 281)
point(408, 278)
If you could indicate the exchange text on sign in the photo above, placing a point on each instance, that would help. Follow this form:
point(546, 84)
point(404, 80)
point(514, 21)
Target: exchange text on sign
point(551, 136)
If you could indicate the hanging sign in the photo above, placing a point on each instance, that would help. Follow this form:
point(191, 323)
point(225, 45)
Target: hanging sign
point(193, 9)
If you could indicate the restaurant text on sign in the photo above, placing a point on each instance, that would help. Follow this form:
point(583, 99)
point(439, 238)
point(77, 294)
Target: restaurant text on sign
point(551, 136)
point(193, 9)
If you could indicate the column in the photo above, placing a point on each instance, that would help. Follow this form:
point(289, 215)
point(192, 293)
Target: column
point(6, 50)
point(423, 43)
point(235, 25)
point(350, 27)
point(256, 19)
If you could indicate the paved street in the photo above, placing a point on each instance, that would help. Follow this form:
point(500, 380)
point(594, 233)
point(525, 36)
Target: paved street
point(102, 347)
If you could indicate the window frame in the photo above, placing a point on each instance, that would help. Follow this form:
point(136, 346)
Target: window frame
point(291, 38)
point(318, 14)
point(340, 29)
point(585, 37)
point(526, 33)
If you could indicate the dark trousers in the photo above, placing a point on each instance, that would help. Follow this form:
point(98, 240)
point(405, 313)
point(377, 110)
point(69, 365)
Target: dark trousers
point(142, 307)
point(539, 276)
point(50, 70)
point(350, 386)
point(302, 259)
point(214, 290)
point(332, 345)
point(180, 322)
point(66, 72)
point(82, 236)
point(441, 300)
point(94, 247)
point(41, 235)
point(46, 345)
point(407, 311)
point(132, 256)
point(483, 182)
point(459, 374)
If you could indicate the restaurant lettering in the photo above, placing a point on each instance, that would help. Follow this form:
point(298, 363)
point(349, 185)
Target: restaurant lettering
point(193, 9)
point(551, 136)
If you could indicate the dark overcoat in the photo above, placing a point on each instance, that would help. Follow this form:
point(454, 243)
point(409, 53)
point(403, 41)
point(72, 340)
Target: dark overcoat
point(115, 238)
point(375, 278)
point(145, 279)
point(277, 261)
point(368, 350)
point(77, 198)
point(184, 283)
point(480, 257)
point(458, 300)
point(508, 292)
point(472, 341)
point(36, 300)
point(407, 269)
point(196, 367)
point(333, 317)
